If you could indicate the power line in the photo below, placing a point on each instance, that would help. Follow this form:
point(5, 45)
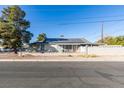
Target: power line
point(92, 17)
point(114, 31)
point(117, 23)
point(91, 22)
point(102, 16)
point(56, 10)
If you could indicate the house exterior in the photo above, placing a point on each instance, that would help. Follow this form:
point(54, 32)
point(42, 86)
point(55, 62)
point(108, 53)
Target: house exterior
point(62, 45)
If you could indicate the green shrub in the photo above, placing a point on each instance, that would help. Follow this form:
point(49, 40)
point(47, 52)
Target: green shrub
point(88, 56)
point(69, 55)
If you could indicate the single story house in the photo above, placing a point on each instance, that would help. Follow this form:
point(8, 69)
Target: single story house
point(62, 45)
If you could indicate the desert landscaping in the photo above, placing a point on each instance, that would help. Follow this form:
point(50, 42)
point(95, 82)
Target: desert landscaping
point(70, 57)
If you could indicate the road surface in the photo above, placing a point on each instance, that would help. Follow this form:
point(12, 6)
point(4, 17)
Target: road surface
point(61, 74)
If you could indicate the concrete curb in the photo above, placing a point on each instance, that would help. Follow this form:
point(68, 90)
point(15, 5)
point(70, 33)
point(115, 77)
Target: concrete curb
point(34, 60)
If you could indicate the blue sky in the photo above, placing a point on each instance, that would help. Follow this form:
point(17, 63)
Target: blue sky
point(68, 20)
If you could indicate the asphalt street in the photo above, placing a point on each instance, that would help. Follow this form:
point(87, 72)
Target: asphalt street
point(61, 74)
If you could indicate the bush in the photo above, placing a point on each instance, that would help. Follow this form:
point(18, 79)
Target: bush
point(69, 55)
point(88, 56)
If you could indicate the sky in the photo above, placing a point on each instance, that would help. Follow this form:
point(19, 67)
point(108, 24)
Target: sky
point(74, 21)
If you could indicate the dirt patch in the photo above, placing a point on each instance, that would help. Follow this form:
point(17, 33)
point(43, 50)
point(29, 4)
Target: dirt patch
point(28, 55)
point(88, 56)
point(15, 56)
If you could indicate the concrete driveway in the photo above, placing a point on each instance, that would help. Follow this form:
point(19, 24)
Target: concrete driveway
point(61, 74)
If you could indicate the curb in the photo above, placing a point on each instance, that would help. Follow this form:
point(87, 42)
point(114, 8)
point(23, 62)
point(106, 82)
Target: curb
point(27, 60)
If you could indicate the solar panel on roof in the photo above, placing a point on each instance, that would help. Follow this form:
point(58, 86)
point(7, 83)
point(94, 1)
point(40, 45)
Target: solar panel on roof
point(65, 40)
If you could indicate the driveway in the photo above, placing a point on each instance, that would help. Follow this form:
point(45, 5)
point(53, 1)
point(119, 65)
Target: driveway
point(61, 74)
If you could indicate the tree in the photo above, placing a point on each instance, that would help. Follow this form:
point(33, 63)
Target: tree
point(13, 28)
point(41, 37)
point(118, 40)
point(26, 36)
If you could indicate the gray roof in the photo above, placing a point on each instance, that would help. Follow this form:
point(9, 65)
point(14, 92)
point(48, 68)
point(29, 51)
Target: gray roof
point(66, 41)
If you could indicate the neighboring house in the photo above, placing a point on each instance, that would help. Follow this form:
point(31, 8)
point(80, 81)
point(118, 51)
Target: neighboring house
point(61, 45)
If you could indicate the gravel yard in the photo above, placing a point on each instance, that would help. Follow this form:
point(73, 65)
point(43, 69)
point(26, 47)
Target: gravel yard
point(57, 57)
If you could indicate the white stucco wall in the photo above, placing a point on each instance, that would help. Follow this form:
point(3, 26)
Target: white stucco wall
point(82, 49)
point(104, 50)
point(98, 50)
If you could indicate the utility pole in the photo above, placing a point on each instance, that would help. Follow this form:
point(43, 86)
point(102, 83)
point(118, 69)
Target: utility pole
point(102, 34)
